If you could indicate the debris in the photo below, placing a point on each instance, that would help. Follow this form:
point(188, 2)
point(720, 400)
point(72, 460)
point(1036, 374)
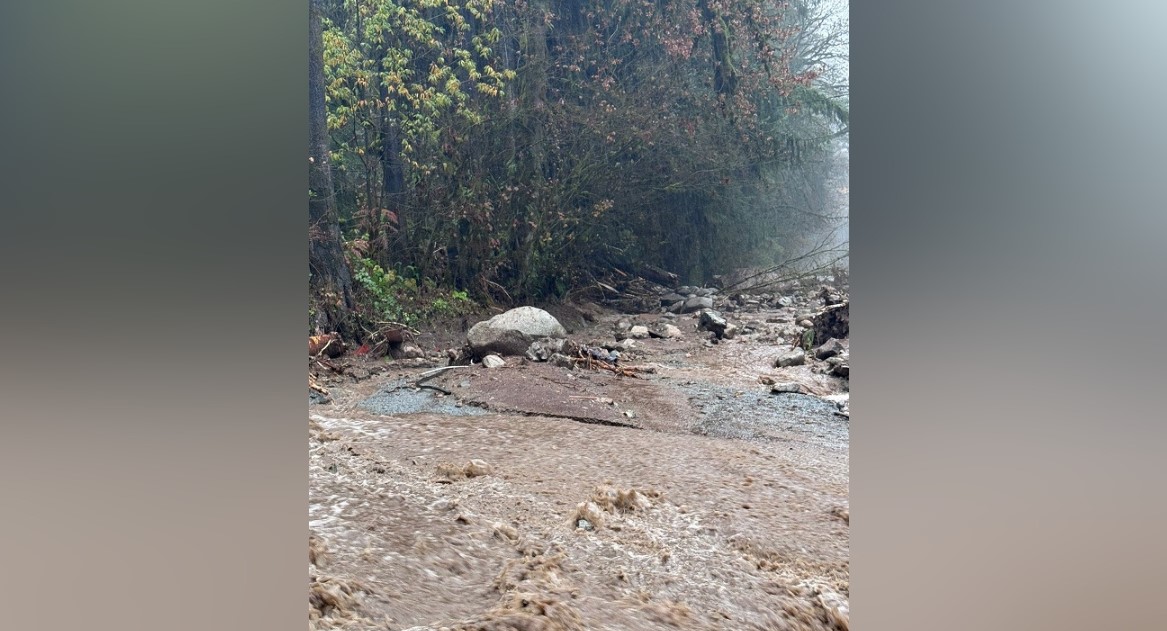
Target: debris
point(329, 345)
point(834, 321)
point(405, 351)
point(542, 350)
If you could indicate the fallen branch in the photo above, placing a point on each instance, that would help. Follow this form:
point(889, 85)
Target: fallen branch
point(433, 387)
point(316, 387)
point(430, 374)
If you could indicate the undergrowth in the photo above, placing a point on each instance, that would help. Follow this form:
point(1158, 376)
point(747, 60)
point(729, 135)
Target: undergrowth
point(395, 295)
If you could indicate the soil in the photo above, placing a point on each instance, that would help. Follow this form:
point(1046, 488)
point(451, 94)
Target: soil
point(533, 497)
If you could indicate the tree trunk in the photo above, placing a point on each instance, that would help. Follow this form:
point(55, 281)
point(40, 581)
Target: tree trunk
point(392, 170)
point(330, 283)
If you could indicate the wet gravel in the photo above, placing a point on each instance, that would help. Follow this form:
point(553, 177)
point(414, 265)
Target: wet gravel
point(398, 398)
point(753, 415)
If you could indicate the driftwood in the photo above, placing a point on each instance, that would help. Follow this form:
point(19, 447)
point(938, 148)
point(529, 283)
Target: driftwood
point(386, 334)
point(315, 386)
point(659, 276)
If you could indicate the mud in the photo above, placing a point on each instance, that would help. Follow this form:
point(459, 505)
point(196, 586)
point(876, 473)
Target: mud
point(529, 498)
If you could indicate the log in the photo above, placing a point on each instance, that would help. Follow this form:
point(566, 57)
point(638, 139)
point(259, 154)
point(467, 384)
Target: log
point(659, 276)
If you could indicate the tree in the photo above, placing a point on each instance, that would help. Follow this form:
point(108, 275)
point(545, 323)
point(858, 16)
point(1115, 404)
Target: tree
point(330, 282)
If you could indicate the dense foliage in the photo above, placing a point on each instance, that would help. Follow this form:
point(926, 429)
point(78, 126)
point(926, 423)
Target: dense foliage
point(514, 148)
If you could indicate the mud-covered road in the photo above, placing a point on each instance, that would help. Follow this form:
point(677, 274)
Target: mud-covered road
point(533, 497)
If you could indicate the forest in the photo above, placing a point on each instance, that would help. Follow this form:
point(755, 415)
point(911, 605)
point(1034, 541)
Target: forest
point(470, 152)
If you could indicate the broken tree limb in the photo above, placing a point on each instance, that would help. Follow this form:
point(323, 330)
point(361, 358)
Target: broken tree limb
point(430, 374)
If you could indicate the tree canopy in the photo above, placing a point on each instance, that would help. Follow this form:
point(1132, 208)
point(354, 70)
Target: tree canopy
point(515, 148)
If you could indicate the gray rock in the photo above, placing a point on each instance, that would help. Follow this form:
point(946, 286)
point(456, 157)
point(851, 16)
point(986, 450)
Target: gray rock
point(785, 301)
point(795, 357)
point(839, 366)
point(696, 303)
point(703, 291)
point(542, 350)
point(685, 289)
point(665, 330)
point(670, 298)
point(493, 361)
point(730, 331)
point(710, 320)
point(584, 524)
point(806, 324)
point(638, 332)
point(831, 348)
point(562, 361)
point(511, 333)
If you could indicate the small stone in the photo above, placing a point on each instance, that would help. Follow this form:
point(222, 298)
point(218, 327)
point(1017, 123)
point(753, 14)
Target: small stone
point(806, 324)
point(476, 468)
point(766, 380)
point(562, 361)
point(629, 414)
point(441, 504)
point(584, 524)
point(780, 388)
point(493, 361)
point(638, 332)
point(730, 331)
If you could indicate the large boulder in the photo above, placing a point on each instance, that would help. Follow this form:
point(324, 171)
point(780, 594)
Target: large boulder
point(511, 333)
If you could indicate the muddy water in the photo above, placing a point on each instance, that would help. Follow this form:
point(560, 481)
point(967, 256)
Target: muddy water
point(725, 507)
